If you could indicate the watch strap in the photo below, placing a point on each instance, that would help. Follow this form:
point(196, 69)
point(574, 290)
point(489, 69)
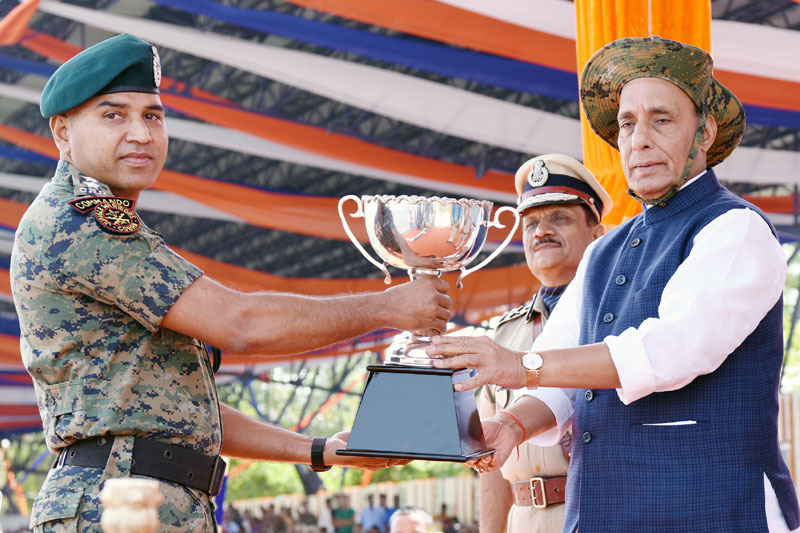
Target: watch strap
point(532, 379)
point(317, 459)
point(531, 376)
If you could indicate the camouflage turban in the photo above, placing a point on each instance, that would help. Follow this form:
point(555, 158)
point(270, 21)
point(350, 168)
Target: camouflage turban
point(684, 65)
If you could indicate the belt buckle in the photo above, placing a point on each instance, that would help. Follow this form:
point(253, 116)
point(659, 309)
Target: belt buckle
point(533, 482)
point(217, 476)
point(62, 456)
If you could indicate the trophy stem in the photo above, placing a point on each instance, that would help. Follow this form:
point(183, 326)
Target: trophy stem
point(416, 273)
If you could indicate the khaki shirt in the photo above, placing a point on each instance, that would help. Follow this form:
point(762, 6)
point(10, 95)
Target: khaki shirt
point(515, 331)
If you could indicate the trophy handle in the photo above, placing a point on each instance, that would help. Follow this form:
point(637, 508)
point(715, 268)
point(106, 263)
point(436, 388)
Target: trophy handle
point(360, 213)
point(493, 224)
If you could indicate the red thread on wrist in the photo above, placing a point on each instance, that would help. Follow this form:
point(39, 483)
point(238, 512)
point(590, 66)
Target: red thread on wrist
point(513, 417)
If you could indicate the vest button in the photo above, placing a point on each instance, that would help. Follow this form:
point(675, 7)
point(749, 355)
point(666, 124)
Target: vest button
point(589, 395)
point(620, 280)
point(608, 317)
point(636, 242)
point(586, 437)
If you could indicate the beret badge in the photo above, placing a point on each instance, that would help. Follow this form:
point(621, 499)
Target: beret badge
point(538, 174)
point(156, 67)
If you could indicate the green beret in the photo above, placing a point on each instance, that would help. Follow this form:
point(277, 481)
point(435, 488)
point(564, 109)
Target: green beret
point(123, 63)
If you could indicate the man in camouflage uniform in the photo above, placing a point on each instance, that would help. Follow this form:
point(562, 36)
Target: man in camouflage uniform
point(671, 330)
point(114, 323)
point(561, 205)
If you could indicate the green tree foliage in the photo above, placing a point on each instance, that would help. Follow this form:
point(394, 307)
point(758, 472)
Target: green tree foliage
point(22, 451)
point(264, 479)
point(291, 393)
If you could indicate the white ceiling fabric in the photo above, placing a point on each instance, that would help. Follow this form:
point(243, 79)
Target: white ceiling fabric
point(736, 46)
point(427, 104)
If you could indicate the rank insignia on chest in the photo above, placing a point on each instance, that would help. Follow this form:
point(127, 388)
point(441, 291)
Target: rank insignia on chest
point(515, 313)
point(113, 214)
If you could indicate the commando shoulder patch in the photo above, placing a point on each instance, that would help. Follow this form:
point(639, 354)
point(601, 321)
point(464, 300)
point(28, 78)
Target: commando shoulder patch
point(113, 214)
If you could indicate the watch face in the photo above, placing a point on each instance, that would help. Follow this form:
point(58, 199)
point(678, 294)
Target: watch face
point(532, 361)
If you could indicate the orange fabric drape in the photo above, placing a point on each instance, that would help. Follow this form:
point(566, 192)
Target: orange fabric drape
point(442, 22)
point(316, 216)
point(15, 25)
point(9, 351)
point(215, 110)
point(602, 21)
point(338, 146)
point(62, 51)
point(486, 290)
point(485, 293)
point(446, 23)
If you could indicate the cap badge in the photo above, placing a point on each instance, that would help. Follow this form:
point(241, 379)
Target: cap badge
point(156, 67)
point(538, 175)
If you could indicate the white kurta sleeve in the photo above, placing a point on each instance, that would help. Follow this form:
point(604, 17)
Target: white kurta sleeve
point(562, 330)
point(733, 276)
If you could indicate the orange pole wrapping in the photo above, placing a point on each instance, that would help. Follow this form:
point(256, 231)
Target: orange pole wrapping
point(602, 21)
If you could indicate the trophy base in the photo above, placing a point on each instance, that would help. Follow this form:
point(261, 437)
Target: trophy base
point(411, 412)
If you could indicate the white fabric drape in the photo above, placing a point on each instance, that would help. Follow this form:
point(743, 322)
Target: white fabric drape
point(736, 46)
point(427, 104)
point(237, 141)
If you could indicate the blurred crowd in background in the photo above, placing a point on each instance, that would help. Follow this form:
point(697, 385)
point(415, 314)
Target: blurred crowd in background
point(338, 516)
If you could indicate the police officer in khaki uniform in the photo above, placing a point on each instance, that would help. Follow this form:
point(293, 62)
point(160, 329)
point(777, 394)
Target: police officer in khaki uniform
point(561, 204)
point(113, 323)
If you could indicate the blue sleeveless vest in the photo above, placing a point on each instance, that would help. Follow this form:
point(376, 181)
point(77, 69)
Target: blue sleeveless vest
point(627, 477)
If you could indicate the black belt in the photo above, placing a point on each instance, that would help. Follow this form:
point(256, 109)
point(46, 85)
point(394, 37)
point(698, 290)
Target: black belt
point(153, 459)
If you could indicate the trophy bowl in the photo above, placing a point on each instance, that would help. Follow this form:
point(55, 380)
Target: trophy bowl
point(424, 236)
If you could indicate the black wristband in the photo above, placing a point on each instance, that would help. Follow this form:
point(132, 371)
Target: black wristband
point(317, 460)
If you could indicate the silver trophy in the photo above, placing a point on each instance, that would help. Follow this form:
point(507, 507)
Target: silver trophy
point(408, 408)
point(425, 236)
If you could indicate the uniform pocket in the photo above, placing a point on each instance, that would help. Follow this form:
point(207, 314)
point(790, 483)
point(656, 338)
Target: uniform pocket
point(57, 504)
point(63, 398)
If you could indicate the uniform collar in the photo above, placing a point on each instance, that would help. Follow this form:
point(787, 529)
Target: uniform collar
point(544, 301)
point(67, 174)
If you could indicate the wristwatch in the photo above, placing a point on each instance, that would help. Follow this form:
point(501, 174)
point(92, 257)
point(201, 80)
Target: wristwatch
point(532, 362)
point(317, 460)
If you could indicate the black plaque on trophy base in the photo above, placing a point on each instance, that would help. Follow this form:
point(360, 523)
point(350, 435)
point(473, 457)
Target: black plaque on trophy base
point(410, 412)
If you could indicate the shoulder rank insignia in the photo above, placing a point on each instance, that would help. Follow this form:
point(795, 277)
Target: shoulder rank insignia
point(517, 312)
point(113, 214)
point(86, 186)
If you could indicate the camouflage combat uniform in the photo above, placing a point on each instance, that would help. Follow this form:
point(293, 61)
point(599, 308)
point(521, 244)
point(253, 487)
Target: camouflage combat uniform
point(90, 304)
